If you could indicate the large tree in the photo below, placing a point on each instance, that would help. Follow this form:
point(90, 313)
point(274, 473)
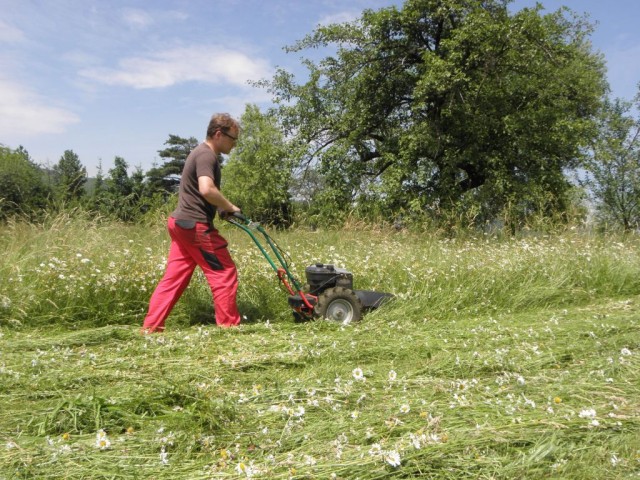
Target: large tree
point(70, 177)
point(258, 175)
point(22, 187)
point(166, 177)
point(613, 166)
point(443, 103)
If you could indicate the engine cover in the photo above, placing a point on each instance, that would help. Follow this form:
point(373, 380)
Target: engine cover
point(322, 276)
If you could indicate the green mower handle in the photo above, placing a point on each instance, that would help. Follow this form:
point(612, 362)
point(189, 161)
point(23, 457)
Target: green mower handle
point(249, 226)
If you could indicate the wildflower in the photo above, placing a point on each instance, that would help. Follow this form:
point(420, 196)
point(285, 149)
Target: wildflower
point(11, 445)
point(614, 459)
point(520, 380)
point(64, 449)
point(164, 456)
point(416, 441)
point(393, 422)
point(66, 436)
point(392, 457)
point(355, 414)
point(102, 441)
point(392, 376)
point(625, 352)
point(245, 469)
point(375, 450)
point(557, 400)
point(405, 408)
point(358, 374)
point(587, 413)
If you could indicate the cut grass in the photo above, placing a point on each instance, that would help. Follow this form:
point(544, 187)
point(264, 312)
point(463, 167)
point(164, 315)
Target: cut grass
point(510, 359)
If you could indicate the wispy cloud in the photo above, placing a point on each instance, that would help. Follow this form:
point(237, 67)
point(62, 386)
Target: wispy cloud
point(209, 64)
point(139, 19)
point(10, 34)
point(25, 113)
point(341, 17)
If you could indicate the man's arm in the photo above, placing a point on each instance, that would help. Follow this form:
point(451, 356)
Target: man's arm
point(214, 196)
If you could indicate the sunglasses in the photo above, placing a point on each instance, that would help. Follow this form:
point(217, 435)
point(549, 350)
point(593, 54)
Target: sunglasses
point(235, 139)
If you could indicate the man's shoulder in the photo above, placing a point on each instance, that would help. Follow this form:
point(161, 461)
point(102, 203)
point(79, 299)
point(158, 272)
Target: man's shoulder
point(202, 153)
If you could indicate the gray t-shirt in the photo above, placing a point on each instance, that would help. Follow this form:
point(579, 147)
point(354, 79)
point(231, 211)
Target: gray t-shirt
point(201, 162)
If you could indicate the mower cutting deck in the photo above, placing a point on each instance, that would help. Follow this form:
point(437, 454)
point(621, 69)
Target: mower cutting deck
point(328, 292)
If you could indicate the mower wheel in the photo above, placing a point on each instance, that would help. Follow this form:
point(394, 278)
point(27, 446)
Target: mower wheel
point(339, 304)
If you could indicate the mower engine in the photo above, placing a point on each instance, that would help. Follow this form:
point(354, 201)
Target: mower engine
point(330, 291)
point(320, 277)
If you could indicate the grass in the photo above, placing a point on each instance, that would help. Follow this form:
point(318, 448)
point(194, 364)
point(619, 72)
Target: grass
point(505, 359)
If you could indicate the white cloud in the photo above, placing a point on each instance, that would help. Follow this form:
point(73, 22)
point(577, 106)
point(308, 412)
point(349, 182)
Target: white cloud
point(10, 34)
point(341, 17)
point(209, 64)
point(25, 113)
point(136, 18)
point(139, 19)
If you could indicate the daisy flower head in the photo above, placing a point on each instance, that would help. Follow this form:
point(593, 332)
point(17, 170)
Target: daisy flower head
point(247, 470)
point(587, 413)
point(375, 450)
point(392, 457)
point(102, 441)
point(358, 374)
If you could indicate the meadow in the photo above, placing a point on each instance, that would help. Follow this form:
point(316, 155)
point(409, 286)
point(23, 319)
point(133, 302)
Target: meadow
point(499, 358)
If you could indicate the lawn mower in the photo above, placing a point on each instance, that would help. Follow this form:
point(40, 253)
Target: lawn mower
point(328, 292)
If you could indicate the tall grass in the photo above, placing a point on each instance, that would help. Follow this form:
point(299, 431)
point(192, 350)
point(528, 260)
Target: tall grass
point(499, 358)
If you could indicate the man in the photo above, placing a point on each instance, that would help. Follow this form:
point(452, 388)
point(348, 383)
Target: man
point(194, 240)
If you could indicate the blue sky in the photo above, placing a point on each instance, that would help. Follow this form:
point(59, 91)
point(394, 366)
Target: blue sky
point(106, 78)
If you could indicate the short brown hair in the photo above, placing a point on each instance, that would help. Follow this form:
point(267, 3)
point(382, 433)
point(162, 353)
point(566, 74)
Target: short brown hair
point(221, 121)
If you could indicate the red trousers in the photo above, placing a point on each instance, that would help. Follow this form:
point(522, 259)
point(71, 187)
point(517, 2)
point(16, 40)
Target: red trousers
point(203, 246)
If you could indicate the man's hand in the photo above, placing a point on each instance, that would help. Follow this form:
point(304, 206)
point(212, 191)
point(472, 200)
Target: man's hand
point(224, 214)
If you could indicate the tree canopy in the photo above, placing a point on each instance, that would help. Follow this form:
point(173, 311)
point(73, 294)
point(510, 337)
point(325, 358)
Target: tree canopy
point(257, 177)
point(166, 178)
point(613, 166)
point(70, 177)
point(445, 104)
point(22, 189)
